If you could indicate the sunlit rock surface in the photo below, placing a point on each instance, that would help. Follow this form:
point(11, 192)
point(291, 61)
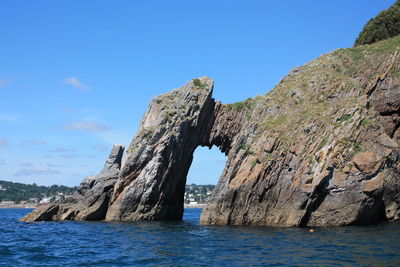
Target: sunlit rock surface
point(320, 149)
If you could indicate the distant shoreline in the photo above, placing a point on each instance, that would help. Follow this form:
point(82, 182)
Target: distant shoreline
point(34, 206)
point(19, 206)
point(194, 206)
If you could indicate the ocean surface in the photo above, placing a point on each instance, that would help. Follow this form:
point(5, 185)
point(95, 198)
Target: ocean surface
point(187, 243)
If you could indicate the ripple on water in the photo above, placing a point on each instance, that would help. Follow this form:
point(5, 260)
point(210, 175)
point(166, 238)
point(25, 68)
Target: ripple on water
point(188, 243)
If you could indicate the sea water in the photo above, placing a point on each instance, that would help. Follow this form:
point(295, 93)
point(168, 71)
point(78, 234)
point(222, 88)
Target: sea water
point(187, 243)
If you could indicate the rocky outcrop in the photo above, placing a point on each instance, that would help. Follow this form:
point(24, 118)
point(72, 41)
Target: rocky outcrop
point(91, 200)
point(152, 182)
point(321, 148)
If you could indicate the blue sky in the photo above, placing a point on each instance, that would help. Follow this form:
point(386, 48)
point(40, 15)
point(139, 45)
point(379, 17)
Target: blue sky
point(77, 76)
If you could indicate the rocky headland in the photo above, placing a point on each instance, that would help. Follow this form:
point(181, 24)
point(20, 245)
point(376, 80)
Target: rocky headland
point(320, 149)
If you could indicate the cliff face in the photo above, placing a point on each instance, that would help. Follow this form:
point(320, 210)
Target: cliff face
point(322, 148)
point(151, 184)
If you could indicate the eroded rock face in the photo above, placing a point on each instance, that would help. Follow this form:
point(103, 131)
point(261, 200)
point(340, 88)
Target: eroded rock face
point(152, 182)
point(320, 149)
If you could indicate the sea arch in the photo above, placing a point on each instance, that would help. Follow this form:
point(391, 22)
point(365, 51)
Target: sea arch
point(151, 184)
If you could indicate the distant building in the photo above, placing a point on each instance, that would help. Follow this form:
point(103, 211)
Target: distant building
point(198, 193)
point(46, 200)
point(59, 197)
point(33, 200)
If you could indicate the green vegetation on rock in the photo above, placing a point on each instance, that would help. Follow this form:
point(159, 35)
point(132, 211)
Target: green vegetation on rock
point(247, 149)
point(170, 112)
point(384, 26)
point(345, 117)
point(365, 122)
point(357, 147)
point(248, 103)
point(198, 83)
point(254, 163)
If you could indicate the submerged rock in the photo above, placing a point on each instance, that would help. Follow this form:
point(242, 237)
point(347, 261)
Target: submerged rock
point(320, 149)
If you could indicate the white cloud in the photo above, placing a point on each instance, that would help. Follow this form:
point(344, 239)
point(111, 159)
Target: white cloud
point(69, 110)
point(36, 171)
point(38, 142)
point(115, 137)
point(85, 126)
point(74, 82)
point(26, 164)
point(102, 147)
point(5, 82)
point(51, 165)
point(3, 142)
point(32, 142)
point(10, 118)
point(69, 156)
point(74, 156)
point(62, 150)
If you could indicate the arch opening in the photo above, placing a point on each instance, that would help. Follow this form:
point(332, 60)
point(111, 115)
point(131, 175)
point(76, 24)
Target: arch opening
point(204, 173)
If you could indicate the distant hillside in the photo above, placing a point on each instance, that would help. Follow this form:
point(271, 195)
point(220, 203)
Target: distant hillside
point(18, 191)
point(198, 193)
point(384, 26)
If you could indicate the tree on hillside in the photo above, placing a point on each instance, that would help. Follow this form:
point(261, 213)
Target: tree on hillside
point(385, 25)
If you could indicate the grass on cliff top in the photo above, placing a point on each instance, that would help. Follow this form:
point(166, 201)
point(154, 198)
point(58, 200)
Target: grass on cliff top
point(330, 64)
point(198, 83)
point(305, 96)
point(358, 53)
point(317, 92)
point(335, 66)
point(248, 103)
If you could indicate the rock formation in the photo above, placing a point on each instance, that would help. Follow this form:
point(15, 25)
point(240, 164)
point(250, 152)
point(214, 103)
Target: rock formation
point(321, 148)
point(152, 182)
point(91, 200)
